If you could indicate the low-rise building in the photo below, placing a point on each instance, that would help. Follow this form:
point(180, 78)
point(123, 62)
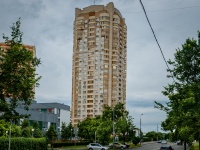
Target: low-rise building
point(47, 114)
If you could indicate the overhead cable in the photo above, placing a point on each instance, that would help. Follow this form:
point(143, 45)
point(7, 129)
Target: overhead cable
point(155, 38)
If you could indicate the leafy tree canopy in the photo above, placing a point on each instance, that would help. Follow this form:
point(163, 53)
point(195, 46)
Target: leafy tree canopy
point(183, 108)
point(17, 74)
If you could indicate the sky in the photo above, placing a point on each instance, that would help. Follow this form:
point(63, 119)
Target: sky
point(48, 24)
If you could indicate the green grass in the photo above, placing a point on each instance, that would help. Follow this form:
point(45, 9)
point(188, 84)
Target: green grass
point(82, 147)
point(195, 146)
point(76, 147)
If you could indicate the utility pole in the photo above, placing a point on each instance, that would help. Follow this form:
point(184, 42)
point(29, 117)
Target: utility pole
point(157, 132)
point(9, 134)
point(140, 129)
point(113, 128)
point(95, 135)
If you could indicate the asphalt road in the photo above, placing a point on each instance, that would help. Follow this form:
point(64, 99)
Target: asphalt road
point(156, 146)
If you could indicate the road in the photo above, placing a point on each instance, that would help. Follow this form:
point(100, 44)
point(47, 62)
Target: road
point(156, 146)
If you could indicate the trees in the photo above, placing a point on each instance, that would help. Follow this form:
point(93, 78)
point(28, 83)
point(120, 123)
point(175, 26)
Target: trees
point(17, 74)
point(103, 125)
point(183, 108)
point(66, 131)
point(51, 133)
point(87, 128)
point(124, 127)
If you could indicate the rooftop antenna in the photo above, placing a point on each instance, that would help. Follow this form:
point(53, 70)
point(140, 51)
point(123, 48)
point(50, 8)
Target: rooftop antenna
point(94, 2)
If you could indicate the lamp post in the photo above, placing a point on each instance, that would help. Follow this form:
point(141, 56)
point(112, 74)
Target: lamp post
point(6, 133)
point(32, 132)
point(76, 134)
point(9, 135)
point(71, 134)
point(113, 112)
point(140, 128)
point(95, 135)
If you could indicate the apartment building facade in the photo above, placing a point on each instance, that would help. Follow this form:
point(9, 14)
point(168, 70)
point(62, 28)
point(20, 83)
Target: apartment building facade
point(99, 61)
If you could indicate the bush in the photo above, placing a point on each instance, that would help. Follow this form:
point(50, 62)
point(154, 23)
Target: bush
point(146, 139)
point(68, 143)
point(135, 140)
point(24, 143)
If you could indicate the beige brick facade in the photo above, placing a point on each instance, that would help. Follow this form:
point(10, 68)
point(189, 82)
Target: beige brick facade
point(99, 61)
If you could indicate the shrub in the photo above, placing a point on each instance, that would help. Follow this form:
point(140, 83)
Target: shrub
point(135, 140)
point(24, 143)
point(146, 139)
point(68, 143)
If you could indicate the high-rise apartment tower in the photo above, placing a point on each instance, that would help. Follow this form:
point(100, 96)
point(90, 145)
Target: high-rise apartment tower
point(99, 61)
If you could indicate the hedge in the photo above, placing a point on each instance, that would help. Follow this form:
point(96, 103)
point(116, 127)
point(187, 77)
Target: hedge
point(68, 143)
point(21, 143)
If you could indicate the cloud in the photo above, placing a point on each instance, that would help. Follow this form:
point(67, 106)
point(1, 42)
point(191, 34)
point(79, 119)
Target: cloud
point(48, 25)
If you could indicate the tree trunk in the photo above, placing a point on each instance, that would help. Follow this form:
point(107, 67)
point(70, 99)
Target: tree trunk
point(124, 138)
point(184, 145)
point(199, 143)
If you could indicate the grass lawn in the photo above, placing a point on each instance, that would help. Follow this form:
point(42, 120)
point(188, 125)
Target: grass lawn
point(81, 147)
point(195, 146)
point(76, 147)
point(134, 146)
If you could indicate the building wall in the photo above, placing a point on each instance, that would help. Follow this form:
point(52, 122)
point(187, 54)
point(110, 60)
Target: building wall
point(99, 61)
point(64, 117)
point(47, 114)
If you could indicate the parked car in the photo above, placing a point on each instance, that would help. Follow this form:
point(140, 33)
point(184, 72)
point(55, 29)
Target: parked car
point(96, 146)
point(166, 147)
point(159, 141)
point(127, 145)
point(179, 143)
point(117, 145)
point(164, 142)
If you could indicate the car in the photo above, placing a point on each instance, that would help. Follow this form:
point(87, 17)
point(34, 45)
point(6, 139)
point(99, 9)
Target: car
point(166, 147)
point(96, 146)
point(159, 141)
point(179, 143)
point(164, 142)
point(117, 145)
point(127, 145)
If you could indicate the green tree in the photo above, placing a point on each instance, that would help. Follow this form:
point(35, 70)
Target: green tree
point(104, 131)
point(124, 126)
point(51, 134)
point(37, 133)
point(87, 128)
point(35, 125)
point(135, 140)
point(114, 113)
point(17, 74)
point(183, 108)
point(26, 132)
point(154, 135)
point(25, 123)
point(67, 131)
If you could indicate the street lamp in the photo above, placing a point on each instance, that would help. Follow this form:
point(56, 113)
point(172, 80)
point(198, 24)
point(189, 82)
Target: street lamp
point(71, 134)
point(6, 133)
point(9, 135)
point(140, 128)
point(113, 111)
point(32, 132)
point(76, 134)
point(95, 135)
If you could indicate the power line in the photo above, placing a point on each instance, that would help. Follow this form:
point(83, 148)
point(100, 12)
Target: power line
point(155, 38)
point(49, 28)
point(165, 9)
